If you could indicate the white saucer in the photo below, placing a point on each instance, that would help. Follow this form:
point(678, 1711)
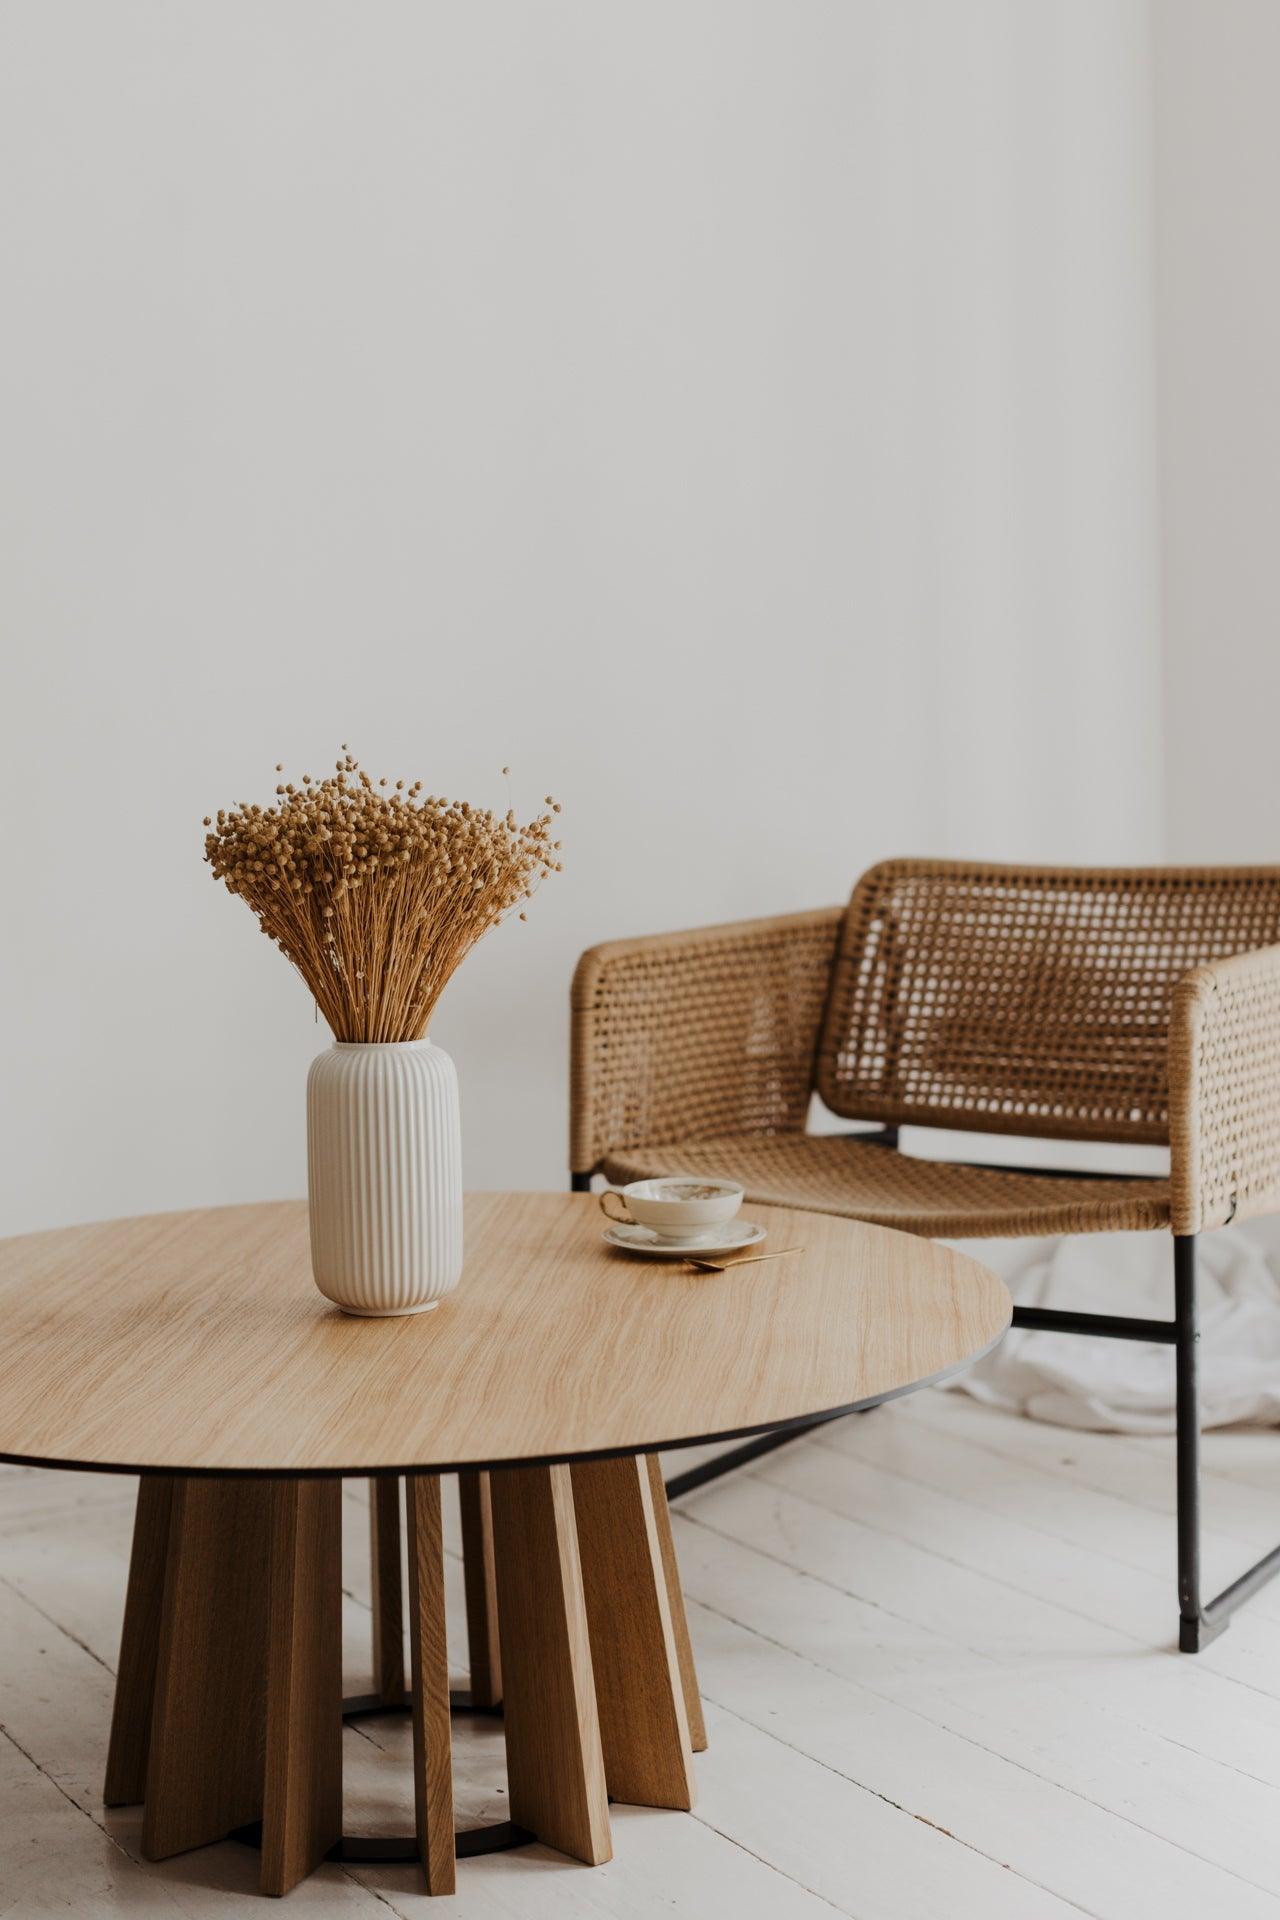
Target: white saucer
point(738, 1233)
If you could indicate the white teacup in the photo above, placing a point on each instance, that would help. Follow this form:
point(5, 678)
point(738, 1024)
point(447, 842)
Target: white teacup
point(682, 1206)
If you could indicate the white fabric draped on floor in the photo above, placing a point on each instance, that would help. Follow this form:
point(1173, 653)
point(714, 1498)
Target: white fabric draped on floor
point(1125, 1385)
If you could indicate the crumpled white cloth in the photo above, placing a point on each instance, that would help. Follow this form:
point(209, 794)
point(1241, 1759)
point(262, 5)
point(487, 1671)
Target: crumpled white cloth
point(1127, 1386)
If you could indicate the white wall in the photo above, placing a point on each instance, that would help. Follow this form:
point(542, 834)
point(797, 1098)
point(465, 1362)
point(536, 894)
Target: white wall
point(736, 417)
point(1218, 266)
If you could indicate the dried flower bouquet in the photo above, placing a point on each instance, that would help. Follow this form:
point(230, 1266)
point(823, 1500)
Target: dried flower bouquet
point(375, 892)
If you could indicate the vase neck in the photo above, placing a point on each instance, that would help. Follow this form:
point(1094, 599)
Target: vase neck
point(381, 1046)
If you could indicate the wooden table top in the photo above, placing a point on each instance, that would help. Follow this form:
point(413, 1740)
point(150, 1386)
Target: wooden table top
point(198, 1342)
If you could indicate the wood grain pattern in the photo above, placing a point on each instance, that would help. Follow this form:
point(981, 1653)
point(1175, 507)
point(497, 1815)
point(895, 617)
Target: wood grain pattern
point(432, 1729)
point(126, 1778)
point(205, 1771)
point(302, 1791)
point(555, 1767)
point(483, 1646)
point(387, 1600)
point(644, 1731)
point(198, 1340)
point(675, 1602)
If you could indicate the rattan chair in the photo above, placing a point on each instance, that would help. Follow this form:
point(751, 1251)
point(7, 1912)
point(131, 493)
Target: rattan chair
point(1125, 1005)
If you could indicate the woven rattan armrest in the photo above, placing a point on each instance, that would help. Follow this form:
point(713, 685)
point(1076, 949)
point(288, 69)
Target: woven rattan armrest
point(1224, 1091)
point(697, 1034)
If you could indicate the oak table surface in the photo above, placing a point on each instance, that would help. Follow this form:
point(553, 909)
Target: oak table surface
point(197, 1342)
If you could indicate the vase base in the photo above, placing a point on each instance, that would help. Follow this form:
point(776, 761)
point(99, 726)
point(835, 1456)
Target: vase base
point(386, 1313)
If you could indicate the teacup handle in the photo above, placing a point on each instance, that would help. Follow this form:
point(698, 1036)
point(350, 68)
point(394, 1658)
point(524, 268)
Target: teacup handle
point(623, 1219)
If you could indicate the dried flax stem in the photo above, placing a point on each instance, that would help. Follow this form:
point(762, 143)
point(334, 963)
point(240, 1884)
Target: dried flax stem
point(374, 893)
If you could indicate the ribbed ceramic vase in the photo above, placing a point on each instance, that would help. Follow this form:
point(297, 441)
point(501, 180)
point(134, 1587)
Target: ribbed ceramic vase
point(384, 1173)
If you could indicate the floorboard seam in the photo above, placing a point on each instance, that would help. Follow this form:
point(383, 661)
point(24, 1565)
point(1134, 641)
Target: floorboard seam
point(762, 1477)
point(832, 1586)
point(887, 1800)
point(960, 1646)
point(963, 1566)
point(733, 1841)
point(1056, 1786)
point(1235, 1541)
point(56, 1624)
point(86, 1812)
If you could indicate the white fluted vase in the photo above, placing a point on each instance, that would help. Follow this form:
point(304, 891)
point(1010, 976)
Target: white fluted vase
point(384, 1174)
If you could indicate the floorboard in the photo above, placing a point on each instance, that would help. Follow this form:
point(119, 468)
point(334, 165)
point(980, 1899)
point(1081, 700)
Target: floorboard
point(935, 1644)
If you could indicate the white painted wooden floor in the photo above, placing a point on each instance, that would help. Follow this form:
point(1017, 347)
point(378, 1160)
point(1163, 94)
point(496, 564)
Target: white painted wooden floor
point(935, 1644)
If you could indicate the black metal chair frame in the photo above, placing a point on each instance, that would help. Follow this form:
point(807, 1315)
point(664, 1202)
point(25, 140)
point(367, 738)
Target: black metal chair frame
point(1199, 1620)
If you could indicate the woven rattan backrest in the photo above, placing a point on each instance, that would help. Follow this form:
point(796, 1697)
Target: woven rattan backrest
point(689, 1035)
point(1031, 1000)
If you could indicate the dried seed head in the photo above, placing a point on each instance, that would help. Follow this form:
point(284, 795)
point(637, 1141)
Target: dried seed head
point(376, 896)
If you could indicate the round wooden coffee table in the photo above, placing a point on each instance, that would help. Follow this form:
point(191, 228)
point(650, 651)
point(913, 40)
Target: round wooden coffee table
point(193, 1349)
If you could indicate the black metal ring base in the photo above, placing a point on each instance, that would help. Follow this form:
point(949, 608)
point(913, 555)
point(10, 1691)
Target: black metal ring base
point(365, 1706)
point(373, 1849)
point(383, 1849)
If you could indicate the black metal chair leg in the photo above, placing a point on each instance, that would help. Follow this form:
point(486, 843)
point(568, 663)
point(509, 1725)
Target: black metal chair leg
point(1191, 1623)
point(1199, 1621)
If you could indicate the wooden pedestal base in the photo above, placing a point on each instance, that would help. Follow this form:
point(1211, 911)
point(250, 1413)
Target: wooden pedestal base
point(229, 1698)
point(228, 1708)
